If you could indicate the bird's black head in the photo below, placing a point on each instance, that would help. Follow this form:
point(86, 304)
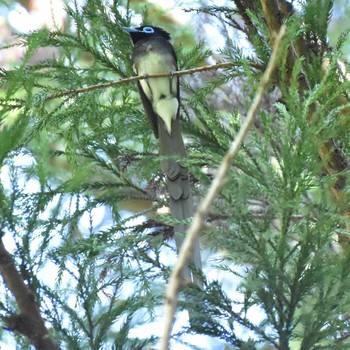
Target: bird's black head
point(145, 32)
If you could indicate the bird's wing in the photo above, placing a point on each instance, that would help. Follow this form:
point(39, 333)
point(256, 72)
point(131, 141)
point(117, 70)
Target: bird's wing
point(149, 110)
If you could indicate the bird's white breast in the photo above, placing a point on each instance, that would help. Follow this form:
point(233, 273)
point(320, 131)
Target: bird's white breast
point(162, 92)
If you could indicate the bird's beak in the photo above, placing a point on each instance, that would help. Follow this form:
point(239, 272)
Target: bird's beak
point(130, 30)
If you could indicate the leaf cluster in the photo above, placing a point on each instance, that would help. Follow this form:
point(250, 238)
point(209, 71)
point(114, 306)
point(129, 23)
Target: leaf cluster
point(73, 165)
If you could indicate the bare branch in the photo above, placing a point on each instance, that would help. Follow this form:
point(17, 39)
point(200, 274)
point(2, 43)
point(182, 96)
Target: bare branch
point(29, 321)
point(141, 77)
point(201, 213)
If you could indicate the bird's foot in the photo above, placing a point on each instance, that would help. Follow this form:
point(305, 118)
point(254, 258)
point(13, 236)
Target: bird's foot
point(146, 77)
point(171, 77)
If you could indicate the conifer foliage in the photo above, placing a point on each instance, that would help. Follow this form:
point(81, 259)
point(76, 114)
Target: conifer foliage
point(84, 246)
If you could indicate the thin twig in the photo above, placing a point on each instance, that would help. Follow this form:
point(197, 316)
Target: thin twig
point(201, 213)
point(141, 77)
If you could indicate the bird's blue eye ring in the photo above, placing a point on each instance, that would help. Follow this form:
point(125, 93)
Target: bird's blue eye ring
point(148, 30)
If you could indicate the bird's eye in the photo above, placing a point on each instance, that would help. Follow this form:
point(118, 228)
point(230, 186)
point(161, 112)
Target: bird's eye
point(148, 30)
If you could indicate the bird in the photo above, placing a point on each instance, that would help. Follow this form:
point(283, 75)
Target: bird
point(153, 53)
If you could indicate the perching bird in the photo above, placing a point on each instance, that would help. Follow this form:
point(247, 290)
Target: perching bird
point(154, 54)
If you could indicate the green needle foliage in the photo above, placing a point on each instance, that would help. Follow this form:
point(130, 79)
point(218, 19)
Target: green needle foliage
point(73, 164)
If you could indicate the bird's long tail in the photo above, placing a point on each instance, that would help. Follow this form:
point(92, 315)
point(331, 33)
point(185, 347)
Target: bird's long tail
point(178, 183)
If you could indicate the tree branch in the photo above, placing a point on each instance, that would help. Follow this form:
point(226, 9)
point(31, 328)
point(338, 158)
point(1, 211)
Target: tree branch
point(29, 321)
point(141, 77)
point(330, 153)
point(219, 180)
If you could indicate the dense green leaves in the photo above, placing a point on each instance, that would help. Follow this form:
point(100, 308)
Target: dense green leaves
point(81, 184)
